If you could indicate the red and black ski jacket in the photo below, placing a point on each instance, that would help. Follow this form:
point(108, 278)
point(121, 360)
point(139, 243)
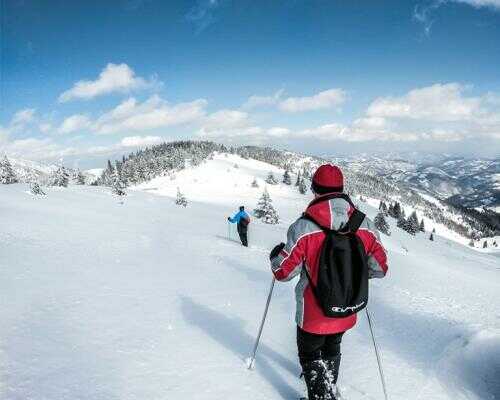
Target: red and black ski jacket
point(302, 250)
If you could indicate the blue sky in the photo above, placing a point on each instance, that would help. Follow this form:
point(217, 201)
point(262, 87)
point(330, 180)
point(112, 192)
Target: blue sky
point(86, 80)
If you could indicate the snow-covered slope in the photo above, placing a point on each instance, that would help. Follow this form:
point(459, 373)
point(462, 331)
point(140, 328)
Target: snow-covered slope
point(149, 300)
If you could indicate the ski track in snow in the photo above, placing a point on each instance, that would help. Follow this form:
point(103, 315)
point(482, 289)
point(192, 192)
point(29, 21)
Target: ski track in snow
point(148, 300)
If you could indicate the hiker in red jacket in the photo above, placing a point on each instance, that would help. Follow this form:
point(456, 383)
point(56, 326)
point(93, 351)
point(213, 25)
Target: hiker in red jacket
point(318, 336)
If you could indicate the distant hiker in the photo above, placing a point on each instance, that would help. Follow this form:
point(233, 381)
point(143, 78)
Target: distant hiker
point(335, 249)
point(241, 219)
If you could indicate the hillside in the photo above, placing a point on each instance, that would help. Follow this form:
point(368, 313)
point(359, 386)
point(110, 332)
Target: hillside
point(149, 300)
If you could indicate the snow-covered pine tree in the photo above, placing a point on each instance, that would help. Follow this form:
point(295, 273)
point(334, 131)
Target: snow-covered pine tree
point(79, 178)
point(302, 186)
point(495, 244)
point(7, 175)
point(271, 180)
point(383, 207)
point(297, 182)
point(265, 210)
point(421, 228)
point(60, 177)
point(255, 184)
point(381, 224)
point(433, 230)
point(117, 184)
point(181, 199)
point(412, 225)
point(401, 223)
point(286, 178)
point(485, 244)
point(431, 237)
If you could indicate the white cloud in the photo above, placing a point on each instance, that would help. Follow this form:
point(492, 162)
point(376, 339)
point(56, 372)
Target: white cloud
point(327, 99)
point(113, 78)
point(259, 101)
point(77, 122)
point(153, 113)
point(435, 103)
point(495, 4)
point(278, 131)
point(23, 117)
point(226, 119)
point(45, 127)
point(140, 141)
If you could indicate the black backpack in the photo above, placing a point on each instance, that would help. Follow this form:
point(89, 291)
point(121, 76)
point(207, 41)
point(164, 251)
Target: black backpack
point(342, 286)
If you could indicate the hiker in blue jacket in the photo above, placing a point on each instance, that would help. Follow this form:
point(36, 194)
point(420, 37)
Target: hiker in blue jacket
point(241, 219)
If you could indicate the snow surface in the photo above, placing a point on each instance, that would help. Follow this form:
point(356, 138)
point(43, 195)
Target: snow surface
point(149, 300)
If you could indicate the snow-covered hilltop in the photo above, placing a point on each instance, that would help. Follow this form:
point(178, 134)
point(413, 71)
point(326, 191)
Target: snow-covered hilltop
point(140, 298)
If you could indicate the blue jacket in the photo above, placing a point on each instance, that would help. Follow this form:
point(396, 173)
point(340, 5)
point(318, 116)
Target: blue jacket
point(238, 216)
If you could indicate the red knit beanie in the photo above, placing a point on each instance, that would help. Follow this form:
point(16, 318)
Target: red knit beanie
point(328, 179)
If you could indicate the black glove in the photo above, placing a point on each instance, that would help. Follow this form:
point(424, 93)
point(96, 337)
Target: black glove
point(276, 250)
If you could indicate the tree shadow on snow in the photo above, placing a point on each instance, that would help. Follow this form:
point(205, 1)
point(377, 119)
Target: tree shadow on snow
point(229, 332)
point(437, 344)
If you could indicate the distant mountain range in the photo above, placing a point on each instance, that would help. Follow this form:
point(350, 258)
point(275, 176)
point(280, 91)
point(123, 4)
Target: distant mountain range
point(471, 183)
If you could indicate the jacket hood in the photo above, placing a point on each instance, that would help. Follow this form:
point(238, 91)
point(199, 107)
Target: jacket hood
point(330, 213)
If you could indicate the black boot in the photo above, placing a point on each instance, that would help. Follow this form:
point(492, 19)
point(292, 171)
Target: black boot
point(317, 380)
point(332, 366)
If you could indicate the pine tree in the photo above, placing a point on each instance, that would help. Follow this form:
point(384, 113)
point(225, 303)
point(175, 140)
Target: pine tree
point(265, 210)
point(181, 199)
point(271, 180)
point(495, 244)
point(302, 187)
point(286, 178)
point(433, 230)
point(485, 244)
point(254, 183)
point(60, 177)
point(412, 225)
point(431, 237)
point(7, 175)
point(401, 223)
point(117, 184)
point(381, 224)
point(79, 178)
point(297, 182)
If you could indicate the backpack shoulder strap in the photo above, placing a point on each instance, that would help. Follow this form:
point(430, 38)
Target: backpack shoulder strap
point(356, 219)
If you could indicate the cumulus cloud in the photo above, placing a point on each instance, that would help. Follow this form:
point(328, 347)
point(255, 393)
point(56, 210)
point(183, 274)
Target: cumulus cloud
point(74, 123)
point(437, 103)
point(327, 99)
point(113, 78)
point(153, 113)
point(260, 101)
point(20, 121)
point(140, 141)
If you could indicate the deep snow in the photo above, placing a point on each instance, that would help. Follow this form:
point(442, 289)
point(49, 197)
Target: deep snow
point(149, 300)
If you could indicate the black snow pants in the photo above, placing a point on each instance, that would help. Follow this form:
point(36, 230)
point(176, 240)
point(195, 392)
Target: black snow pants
point(317, 347)
point(243, 232)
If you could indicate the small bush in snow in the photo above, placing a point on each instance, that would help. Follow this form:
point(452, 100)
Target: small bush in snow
point(271, 180)
point(181, 199)
point(254, 183)
point(431, 237)
point(36, 189)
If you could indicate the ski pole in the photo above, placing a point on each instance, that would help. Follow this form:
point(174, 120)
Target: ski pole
point(228, 231)
point(379, 361)
point(252, 359)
